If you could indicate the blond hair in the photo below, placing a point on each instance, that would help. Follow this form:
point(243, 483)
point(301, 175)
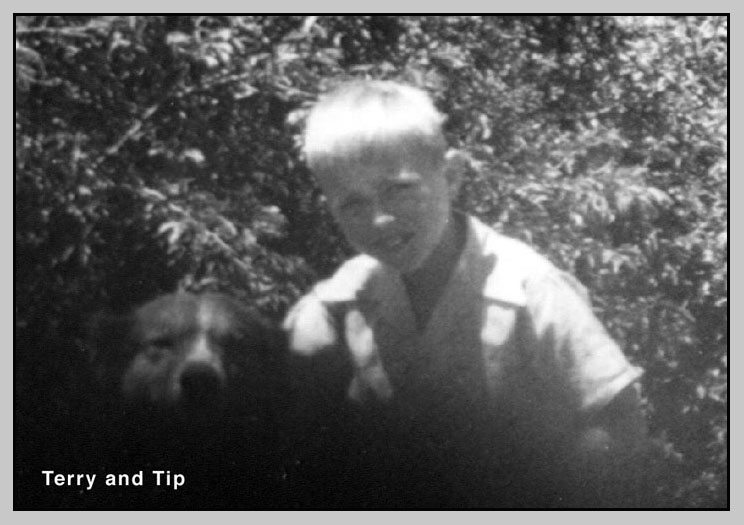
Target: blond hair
point(368, 121)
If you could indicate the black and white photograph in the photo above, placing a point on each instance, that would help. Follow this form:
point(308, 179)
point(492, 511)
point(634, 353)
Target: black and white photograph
point(371, 262)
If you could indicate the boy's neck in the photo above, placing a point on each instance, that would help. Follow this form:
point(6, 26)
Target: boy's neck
point(426, 284)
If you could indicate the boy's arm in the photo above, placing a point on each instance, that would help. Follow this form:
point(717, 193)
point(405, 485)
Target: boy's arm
point(575, 356)
point(616, 430)
point(612, 456)
point(319, 369)
point(319, 373)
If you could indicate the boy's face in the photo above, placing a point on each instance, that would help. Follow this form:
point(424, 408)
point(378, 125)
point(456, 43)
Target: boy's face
point(395, 210)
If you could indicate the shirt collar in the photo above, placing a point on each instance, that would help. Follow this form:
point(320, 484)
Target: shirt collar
point(498, 262)
point(490, 262)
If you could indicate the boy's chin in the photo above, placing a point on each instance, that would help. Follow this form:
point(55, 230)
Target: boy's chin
point(403, 262)
point(408, 258)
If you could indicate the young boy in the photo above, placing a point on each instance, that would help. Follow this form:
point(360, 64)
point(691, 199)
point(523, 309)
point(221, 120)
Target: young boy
point(482, 359)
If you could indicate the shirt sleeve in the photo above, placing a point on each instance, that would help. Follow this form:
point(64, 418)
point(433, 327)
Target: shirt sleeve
point(310, 326)
point(570, 349)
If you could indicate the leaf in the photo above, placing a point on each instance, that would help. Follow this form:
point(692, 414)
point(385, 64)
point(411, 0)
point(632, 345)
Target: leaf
point(659, 197)
point(151, 194)
point(194, 155)
point(245, 90)
point(173, 229)
point(177, 38)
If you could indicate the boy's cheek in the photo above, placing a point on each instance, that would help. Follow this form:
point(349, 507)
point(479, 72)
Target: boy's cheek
point(364, 247)
point(356, 237)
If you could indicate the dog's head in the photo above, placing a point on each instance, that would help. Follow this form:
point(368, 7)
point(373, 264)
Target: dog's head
point(188, 354)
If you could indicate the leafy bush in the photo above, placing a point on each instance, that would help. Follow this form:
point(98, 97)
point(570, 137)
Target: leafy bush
point(163, 151)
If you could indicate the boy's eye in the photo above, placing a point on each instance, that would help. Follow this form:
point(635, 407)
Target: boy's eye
point(401, 191)
point(355, 207)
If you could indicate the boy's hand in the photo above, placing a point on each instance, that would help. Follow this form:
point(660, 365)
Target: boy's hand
point(618, 429)
point(611, 452)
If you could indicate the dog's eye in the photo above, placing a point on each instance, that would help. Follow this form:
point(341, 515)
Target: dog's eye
point(231, 342)
point(158, 348)
point(161, 342)
point(237, 347)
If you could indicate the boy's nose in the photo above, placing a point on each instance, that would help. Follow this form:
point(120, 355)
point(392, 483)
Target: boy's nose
point(381, 215)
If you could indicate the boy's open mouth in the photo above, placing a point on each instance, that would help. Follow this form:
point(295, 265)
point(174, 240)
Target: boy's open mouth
point(393, 243)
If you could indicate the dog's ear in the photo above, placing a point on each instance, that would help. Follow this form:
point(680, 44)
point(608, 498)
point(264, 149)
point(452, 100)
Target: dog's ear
point(107, 343)
point(273, 338)
point(266, 336)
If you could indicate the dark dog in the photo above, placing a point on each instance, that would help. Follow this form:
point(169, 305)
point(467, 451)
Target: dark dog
point(192, 385)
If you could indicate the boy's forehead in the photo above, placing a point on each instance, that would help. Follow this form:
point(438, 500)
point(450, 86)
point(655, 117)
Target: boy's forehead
point(383, 155)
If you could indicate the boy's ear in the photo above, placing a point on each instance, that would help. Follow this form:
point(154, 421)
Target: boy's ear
point(456, 163)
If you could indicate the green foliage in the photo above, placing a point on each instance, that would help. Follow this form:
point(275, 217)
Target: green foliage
point(156, 152)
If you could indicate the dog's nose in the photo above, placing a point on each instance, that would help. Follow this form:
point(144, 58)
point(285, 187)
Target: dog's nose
point(201, 383)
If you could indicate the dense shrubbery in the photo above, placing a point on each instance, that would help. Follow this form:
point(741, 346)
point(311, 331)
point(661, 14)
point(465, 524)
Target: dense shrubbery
point(156, 152)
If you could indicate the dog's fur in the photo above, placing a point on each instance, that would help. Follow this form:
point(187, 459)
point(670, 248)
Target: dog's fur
point(192, 384)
